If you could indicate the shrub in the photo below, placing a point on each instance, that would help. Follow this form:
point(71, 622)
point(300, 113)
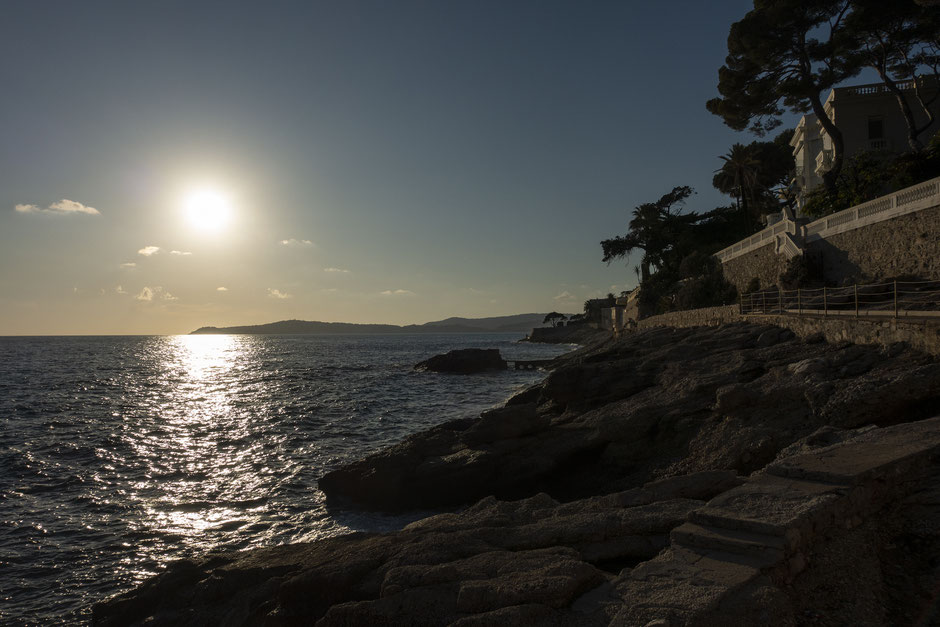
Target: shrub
point(801, 271)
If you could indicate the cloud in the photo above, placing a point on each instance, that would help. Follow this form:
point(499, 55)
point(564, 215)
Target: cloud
point(221, 289)
point(180, 253)
point(336, 270)
point(566, 295)
point(273, 293)
point(70, 206)
point(120, 290)
point(397, 293)
point(296, 242)
point(148, 294)
point(129, 265)
point(62, 207)
point(147, 251)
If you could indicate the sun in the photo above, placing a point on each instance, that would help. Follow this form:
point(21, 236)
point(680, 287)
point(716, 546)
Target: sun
point(207, 210)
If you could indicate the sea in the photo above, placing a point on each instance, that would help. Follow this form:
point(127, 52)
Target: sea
point(121, 454)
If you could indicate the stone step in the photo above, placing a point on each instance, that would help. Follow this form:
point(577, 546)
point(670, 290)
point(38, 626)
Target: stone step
point(765, 548)
point(768, 505)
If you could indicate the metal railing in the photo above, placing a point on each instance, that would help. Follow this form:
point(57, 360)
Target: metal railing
point(896, 299)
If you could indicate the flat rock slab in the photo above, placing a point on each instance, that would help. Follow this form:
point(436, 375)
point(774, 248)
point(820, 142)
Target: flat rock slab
point(765, 548)
point(876, 453)
point(678, 585)
point(768, 504)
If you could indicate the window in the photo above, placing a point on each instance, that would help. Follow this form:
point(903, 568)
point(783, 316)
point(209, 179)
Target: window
point(876, 128)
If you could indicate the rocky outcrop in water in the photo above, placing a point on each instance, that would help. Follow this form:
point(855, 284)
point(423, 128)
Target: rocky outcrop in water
point(731, 475)
point(464, 361)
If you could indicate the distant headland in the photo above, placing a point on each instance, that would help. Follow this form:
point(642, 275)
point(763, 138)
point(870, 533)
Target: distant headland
point(522, 323)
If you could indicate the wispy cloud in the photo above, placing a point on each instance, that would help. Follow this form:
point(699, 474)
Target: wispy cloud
point(148, 294)
point(566, 295)
point(148, 251)
point(221, 289)
point(296, 242)
point(397, 293)
point(180, 253)
point(273, 293)
point(60, 208)
point(336, 270)
point(120, 290)
point(129, 265)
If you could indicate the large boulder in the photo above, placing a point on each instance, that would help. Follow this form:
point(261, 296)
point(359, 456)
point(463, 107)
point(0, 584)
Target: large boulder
point(465, 361)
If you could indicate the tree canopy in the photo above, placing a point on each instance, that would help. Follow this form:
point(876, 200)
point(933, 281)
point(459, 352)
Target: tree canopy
point(754, 175)
point(900, 40)
point(787, 54)
point(554, 318)
point(654, 229)
point(783, 55)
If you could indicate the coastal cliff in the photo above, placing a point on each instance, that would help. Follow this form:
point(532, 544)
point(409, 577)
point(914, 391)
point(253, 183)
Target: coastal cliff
point(735, 474)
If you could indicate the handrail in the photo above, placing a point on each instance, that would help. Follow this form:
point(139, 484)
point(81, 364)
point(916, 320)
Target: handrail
point(871, 299)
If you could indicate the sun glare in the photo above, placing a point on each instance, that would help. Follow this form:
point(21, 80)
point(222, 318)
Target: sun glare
point(208, 210)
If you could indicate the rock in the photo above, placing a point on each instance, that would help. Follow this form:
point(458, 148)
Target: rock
point(511, 421)
point(527, 561)
point(465, 361)
point(657, 403)
point(774, 336)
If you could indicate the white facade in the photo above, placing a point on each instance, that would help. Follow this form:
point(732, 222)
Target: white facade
point(870, 120)
point(807, 143)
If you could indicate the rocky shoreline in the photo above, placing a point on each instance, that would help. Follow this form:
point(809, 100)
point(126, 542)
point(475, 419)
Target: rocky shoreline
point(673, 477)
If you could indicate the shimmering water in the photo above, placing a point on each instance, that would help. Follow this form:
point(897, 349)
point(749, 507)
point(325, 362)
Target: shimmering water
point(119, 454)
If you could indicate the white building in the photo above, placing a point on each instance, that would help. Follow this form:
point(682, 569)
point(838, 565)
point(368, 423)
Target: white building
point(870, 120)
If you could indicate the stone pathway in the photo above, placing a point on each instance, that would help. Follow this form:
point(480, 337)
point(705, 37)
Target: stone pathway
point(761, 532)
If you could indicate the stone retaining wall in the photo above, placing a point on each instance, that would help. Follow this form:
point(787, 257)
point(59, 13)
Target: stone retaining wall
point(905, 245)
point(922, 334)
point(708, 316)
point(763, 263)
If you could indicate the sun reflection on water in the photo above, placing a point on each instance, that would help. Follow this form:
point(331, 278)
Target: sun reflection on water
point(202, 477)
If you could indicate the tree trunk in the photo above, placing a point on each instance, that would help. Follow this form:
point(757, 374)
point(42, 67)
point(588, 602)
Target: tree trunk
point(645, 270)
point(912, 130)
point(838, 144)
point(745, 211)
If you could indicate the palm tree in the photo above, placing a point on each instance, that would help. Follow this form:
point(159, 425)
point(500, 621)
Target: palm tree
point(738, 176)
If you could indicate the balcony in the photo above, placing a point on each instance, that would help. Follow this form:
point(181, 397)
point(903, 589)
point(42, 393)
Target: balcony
point(823, 161)
point(878, 144)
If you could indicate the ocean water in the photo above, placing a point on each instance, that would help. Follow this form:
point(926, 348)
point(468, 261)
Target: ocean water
point(120, 454)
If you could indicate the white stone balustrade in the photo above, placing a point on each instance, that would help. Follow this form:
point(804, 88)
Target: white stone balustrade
point(909, 200)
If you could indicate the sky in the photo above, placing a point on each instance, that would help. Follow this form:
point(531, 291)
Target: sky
point(171, 165)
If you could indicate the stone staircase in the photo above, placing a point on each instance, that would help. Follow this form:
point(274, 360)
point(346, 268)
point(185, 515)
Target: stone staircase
point(761, 532)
